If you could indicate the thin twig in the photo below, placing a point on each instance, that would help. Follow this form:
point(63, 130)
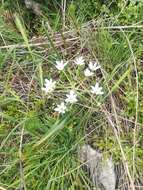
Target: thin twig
point(72, 32)
point(18, 46)
point(22, 184)
point(125, 163)
point(137, 103)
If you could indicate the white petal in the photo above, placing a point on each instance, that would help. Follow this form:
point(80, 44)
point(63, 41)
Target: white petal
point(60, 65)
point(49, 86)
point(61, 108)
point(88, 73)
point(79, 61)
point(96, 89)
point(93, 66)
point(71, 97)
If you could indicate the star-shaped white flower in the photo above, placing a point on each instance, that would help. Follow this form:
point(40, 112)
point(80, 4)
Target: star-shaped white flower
point(93, 66)
point(96, 89)
point(71, 97)
point(61, 108)
point(60, 65)
point(88, 73)
point(79, 61)
point(49, 86)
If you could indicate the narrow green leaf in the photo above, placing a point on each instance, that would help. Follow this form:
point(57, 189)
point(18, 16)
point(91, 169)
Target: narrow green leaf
point(22, 30)
point(120, 80)
point(52, 131)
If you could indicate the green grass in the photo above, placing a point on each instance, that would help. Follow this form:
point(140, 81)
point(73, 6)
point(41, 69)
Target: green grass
point(39, 148)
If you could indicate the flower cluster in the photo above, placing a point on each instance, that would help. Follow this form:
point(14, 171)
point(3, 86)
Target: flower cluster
point(71, 96)
point(70, 99)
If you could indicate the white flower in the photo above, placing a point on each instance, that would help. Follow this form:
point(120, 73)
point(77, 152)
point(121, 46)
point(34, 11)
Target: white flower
point(96, 89)
point(88, 73)
point(79, 61)
point(60, 65)
point(61, 108)
point(93, 66)
point(71, 97)
point(49, 86)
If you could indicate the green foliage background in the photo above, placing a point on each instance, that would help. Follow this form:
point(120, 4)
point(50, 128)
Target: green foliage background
point(51, 143)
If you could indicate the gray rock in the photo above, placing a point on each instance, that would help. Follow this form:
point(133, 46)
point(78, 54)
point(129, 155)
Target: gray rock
point(34, 6)
point(101, 170)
